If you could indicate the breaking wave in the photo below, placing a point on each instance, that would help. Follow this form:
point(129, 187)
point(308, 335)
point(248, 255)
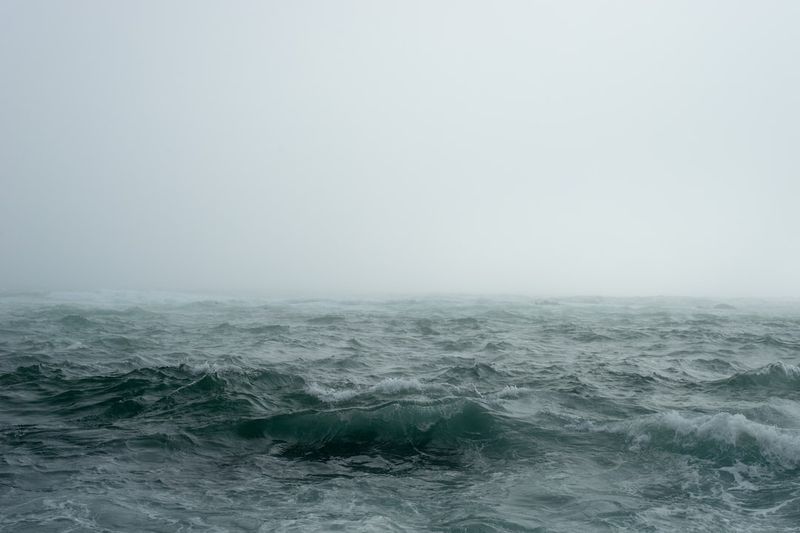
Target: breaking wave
point(723, 437)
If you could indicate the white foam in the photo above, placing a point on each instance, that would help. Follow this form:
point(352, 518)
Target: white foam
point(329, 395)
point(385, 386)
point(393, 385)
point(510, 391)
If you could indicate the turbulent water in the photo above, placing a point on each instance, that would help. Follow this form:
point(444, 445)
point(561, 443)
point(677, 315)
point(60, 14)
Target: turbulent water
point(143, 412)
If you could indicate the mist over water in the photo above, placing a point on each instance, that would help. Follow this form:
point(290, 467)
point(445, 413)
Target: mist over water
point(309, 185)
point(329, 149)
point(170, 413)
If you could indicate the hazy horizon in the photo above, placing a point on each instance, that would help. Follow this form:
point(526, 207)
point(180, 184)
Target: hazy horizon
point(359, 148)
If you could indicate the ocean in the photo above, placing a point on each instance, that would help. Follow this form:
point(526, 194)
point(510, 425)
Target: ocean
point(124, 411)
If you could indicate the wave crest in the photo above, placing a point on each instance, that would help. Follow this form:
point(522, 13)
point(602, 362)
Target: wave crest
point(773, 375)
point(388, 386)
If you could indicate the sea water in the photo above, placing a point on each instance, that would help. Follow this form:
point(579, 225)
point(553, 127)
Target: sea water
point(170, 412)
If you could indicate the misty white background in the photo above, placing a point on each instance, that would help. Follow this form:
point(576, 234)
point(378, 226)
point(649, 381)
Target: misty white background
point(617, 148)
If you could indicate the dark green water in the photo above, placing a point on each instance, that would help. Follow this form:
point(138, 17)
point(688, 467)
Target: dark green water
point(147, 412)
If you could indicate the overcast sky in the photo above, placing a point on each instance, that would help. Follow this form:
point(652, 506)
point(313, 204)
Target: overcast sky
point(544, 148)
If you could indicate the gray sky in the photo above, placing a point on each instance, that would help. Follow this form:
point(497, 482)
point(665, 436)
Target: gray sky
point(617, 148)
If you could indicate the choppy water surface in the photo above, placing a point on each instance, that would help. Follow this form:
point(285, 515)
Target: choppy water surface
point(166, 413)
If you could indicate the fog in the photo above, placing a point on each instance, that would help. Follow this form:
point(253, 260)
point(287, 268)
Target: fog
point(543, 148)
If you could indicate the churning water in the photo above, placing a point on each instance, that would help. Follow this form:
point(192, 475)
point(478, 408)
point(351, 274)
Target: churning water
point(142, 412)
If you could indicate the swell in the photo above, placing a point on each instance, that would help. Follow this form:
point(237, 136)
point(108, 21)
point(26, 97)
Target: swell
point(392, 429)
point(226, 328)
point(750, 339)
point(178, 391)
